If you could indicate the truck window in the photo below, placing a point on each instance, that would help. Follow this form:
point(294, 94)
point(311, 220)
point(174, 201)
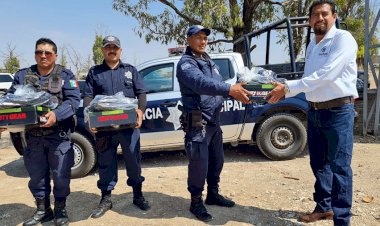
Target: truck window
point(225, 68)
point(158, 78)
point(6, 78)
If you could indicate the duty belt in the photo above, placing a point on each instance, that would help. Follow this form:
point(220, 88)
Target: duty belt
point(339, 102)
point(39, 132)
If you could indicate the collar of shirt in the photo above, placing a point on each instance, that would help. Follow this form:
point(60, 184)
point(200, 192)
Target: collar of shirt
point(105, 65)
point(329, 35)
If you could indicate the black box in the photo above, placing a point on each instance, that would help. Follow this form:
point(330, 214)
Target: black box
point(22, 115)
point(259, 91)
point(115, 119)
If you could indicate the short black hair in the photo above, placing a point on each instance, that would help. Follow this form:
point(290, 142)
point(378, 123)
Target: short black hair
point(320, 2)
point(46, 41)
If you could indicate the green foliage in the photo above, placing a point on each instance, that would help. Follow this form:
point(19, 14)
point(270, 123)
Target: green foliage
point(97, 50)
point(230, 19)
point(351, 12)
point(11, 63)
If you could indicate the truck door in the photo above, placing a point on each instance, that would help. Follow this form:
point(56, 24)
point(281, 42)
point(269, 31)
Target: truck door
point(232, 115)
point(161, 125)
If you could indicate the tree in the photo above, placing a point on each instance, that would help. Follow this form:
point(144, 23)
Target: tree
point(63, 57)
point(76, 60)
point(296, 9)
point(97, 49)
point(351, 12)
point(230, 18)
point(11, 61)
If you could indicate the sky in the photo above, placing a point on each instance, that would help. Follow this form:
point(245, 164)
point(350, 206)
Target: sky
point(74, 23)
point(71, 23)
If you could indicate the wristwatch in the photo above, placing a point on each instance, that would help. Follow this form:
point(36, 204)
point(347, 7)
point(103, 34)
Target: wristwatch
point(286, 88)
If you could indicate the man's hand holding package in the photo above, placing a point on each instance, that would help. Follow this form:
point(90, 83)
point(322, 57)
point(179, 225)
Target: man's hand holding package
point(277, 93)
point(239, 93)
point(51, 119)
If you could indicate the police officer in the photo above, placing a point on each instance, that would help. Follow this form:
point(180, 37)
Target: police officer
point(203, 91)
point(49, 149)
point(109, 78)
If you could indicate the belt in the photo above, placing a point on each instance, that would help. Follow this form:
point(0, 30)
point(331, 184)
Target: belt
point(38, 132)
point(339, 102)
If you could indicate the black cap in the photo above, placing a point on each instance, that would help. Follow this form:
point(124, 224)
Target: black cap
point(110, 39)
point(197, 28)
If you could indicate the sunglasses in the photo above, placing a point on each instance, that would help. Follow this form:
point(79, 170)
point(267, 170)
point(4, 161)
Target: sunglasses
point(42, 52)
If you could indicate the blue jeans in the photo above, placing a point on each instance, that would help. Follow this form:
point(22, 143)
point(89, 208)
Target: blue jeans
point(330, 138)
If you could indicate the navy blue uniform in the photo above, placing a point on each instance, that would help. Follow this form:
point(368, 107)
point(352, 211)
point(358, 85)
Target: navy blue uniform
point(52, 151)
point(102, 80)
point(202, 89)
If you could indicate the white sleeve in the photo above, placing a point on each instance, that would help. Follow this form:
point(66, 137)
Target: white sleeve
point(343, 48)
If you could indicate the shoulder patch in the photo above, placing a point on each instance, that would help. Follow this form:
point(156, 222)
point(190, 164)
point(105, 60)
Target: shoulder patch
point(73, 83)
point(185, 66)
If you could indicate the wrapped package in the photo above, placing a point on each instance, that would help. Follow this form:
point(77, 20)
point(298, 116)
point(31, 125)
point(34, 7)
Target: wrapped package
point(107, 112)
point(259, 81)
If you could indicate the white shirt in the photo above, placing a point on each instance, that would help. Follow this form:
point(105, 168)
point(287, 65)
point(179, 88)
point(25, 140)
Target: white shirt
point(330, 68)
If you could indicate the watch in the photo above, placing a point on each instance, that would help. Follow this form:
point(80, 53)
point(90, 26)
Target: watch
point(286, 88)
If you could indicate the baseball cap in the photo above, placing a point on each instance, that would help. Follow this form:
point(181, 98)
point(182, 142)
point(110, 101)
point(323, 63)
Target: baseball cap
point(197, 28)
point(110, 39)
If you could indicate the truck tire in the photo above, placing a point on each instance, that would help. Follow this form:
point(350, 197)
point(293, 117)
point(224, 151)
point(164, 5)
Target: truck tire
point(84, 156)
point(84, 153)
point(281, 137)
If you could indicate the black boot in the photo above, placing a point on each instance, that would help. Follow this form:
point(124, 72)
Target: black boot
point(138, 198)
point(104, 205)
point(214, 198)
point(198, 209)
point(60, 213)
point(43, 213)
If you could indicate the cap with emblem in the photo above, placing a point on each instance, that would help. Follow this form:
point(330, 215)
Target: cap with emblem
point(197, 28)
point(111, 40)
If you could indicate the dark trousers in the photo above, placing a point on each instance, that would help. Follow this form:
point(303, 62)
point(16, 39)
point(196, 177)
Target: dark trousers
point(206, 160)
point(107, 143)
point(330, 137)
point(45, 154)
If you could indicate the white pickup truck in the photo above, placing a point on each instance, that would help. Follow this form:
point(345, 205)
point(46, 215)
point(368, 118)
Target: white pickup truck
point(6, 80)
point(277, 129)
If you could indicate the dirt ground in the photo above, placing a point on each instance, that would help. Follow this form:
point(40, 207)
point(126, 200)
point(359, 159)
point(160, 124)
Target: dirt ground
point(266, 192)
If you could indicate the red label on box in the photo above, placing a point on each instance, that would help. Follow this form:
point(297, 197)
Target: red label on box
point(112, 117)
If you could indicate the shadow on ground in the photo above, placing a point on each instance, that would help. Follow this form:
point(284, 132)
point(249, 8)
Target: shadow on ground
point(80, 206)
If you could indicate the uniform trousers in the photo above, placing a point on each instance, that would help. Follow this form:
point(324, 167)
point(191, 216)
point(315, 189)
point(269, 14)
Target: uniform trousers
point(49, 154)
point(206, 159)
point(106, 145)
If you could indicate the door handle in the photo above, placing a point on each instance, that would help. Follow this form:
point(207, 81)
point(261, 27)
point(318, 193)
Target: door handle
point(169, 104)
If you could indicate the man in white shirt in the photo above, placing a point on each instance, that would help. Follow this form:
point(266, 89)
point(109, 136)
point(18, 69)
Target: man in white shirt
point(329, 83)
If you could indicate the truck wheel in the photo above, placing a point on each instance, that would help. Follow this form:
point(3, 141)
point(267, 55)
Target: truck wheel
point(281, 137)
point(84, 156)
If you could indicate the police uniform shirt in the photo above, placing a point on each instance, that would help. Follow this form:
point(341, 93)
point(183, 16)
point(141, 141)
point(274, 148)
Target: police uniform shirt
point(201, 85)
point(330, 68)
point(102, 80)
point(70, 91)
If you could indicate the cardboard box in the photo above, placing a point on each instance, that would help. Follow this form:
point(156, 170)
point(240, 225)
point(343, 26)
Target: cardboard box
point(259, 91)
point(22, 115)
point(108, 120)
